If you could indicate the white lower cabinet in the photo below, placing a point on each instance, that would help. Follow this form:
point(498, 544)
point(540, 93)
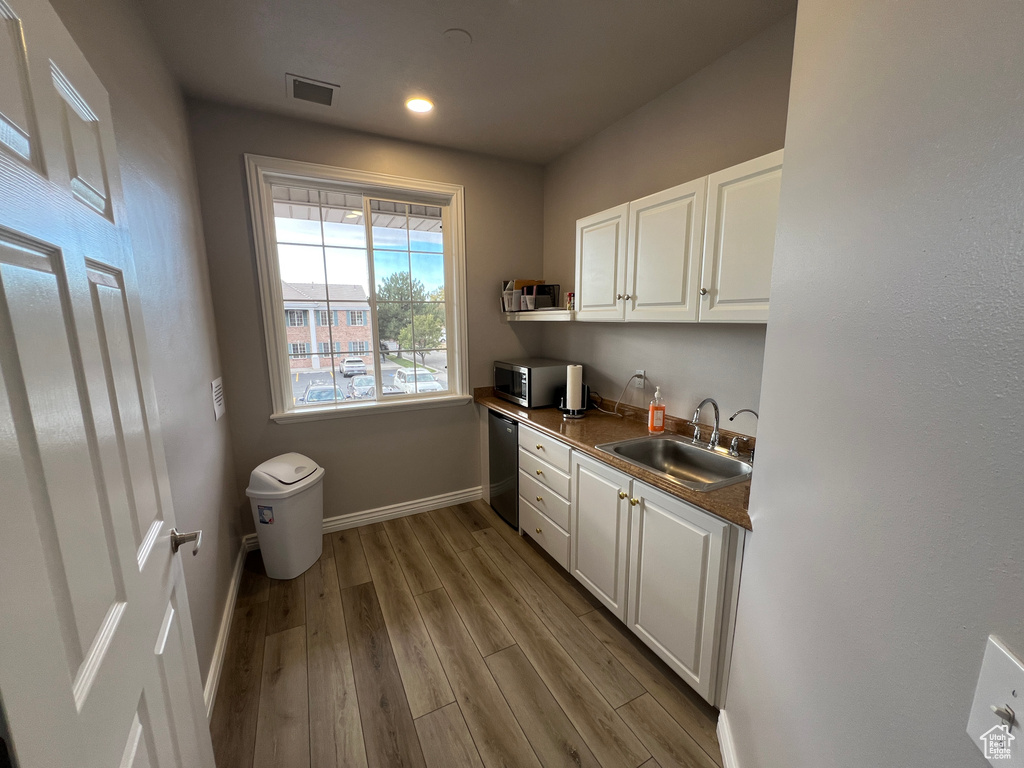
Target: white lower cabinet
point(599, 531)
point(677, 584)
point(668, 570)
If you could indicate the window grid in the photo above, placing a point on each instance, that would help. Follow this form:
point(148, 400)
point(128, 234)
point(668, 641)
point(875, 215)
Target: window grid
point(296, 318)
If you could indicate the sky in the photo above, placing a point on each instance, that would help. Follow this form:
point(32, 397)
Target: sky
point(302, 254)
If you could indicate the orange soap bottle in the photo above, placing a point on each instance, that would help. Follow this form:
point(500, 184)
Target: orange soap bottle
point(656, 415)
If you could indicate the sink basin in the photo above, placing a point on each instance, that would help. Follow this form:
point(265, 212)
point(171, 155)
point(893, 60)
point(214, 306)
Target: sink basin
point(677, 459)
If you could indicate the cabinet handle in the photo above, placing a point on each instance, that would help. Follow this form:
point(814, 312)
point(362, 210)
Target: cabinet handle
point(627, 297)
point(540, 447)
point(703, 291)
point(540, 471)
point(540, 498)
point(634, 502)
point(618, 297)
point(538, 530)
point(623, 494)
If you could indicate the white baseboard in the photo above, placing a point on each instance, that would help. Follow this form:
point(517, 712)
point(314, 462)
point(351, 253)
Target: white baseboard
point(221, 647)
point(725, 742)
point(390, 512)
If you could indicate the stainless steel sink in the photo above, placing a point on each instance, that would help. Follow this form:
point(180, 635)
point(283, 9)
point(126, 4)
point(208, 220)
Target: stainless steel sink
point(678, 459)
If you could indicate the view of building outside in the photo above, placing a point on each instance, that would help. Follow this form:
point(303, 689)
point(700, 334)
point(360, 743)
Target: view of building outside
point(321, 240)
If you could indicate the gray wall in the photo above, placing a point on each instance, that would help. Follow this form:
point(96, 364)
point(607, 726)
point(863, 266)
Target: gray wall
point(887, 501)
point(381, 458)
point(157, 171)
point(731, 111)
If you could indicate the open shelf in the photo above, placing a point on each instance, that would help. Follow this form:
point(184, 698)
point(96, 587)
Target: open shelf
point(541, 315)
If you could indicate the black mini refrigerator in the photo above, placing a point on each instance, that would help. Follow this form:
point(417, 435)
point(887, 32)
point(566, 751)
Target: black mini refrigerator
point(503, 447)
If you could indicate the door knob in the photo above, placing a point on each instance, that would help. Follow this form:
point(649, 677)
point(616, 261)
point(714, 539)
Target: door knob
point(634, 502)
point(539, 498)
point(627, 297)
point(538, 530)
point(623, 494)
point(177, 539)
point(618, 297)
point(540, 471)
point(540, 447)
point(703, 291)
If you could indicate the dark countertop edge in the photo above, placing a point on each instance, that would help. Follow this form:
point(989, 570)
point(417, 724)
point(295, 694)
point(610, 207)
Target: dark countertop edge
point(728, 503)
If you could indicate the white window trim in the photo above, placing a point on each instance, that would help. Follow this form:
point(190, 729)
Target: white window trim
point(261, 172)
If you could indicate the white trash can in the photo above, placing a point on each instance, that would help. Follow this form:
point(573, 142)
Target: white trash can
point(287, 494)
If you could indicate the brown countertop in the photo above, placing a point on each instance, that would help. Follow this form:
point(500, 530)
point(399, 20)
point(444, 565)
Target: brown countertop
point(729, 503)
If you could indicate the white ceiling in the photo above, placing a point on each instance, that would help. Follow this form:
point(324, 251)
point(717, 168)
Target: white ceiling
point(539, 77)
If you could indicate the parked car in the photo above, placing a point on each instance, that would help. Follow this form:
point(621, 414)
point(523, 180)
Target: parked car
point(362, 386)
point(353, 366)
point(416, 381)
point(322, 393)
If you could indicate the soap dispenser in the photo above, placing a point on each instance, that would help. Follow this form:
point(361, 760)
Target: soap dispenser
point(656, 415)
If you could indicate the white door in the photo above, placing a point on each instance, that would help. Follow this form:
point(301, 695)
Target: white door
point(663, 254)
point(97, 658)
point(599, 530)
point(739, 240)
point(601, 265)
point(677, 568)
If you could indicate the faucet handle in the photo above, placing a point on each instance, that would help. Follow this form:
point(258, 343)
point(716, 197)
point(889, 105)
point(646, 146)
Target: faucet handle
point(734, 446)
point(696, 433)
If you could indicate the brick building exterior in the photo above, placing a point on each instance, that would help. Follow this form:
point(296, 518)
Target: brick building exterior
point(317, 326)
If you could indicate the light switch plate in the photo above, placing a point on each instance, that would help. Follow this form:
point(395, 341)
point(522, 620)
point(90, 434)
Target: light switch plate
point(218, 398)
point(1000, 684)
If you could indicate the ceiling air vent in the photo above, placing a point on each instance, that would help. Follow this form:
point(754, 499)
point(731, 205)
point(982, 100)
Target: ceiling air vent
point(305, 89)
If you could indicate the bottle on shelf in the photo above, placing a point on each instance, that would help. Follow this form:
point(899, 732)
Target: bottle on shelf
point(656, 414)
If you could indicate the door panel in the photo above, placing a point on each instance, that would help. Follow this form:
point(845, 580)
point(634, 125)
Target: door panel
point(601, 264)
point(677, 581)
point(663, 260)
point(739, 241)
point(599, 531)
point(85, 559)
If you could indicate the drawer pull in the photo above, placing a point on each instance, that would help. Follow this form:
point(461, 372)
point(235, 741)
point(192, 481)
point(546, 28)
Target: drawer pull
point(538, 530)
point(623, 494)
point(540, 447)
point(634, 502)
point(540, 471)
point(540, 498)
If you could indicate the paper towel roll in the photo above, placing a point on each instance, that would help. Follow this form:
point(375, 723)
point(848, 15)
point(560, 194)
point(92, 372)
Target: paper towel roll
point(574, 387)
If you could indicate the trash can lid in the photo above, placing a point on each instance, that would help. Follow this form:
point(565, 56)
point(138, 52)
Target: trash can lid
point(280, 474)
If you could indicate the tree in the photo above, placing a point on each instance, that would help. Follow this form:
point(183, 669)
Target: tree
point(427, 334)
point(394, 310)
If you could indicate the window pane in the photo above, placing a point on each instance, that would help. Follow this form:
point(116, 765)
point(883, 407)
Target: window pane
point(391, 270)
point(426, 235)
point(296, 215)
point(344, 227)
point(390, 225)
point(428, 269)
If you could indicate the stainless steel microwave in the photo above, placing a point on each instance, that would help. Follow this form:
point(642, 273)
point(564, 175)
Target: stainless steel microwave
point(530, 382)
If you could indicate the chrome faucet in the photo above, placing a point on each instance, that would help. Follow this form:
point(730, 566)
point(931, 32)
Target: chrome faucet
point(734, 449)
point(713, 442)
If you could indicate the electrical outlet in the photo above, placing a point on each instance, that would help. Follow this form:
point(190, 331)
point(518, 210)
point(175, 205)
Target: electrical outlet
point(641, 378)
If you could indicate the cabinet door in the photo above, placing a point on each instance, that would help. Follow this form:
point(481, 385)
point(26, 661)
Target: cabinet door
point(599, 531)
point(663, 254)
point(601, 265)
point(739, 240)
point(677, 578)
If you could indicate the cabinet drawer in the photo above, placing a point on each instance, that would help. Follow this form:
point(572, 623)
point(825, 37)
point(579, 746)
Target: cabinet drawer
point(544, 499)
point(554, 452)
point(544, 473)
point(553, 539)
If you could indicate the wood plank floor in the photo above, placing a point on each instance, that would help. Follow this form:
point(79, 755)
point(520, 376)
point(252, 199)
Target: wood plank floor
point(444, 639)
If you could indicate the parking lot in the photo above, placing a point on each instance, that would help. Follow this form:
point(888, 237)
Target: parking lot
point(435, 364)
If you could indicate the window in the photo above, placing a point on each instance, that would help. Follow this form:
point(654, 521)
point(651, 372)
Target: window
point(385, 251)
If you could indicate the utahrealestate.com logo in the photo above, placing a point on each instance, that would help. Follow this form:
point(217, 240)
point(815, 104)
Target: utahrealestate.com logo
point(997, 742)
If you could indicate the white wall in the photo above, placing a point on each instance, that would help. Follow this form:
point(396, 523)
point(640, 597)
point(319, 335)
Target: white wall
point(158, 176)
point(376, 459)
point(886, 504)
point(732, 110)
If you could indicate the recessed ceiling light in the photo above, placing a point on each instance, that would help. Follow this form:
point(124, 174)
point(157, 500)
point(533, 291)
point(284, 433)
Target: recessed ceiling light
point(420, 105)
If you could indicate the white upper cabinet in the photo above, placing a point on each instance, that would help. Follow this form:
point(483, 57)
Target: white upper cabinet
point(698, 252)
point(739, 240)
point(601, 264)
point(663, 254)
